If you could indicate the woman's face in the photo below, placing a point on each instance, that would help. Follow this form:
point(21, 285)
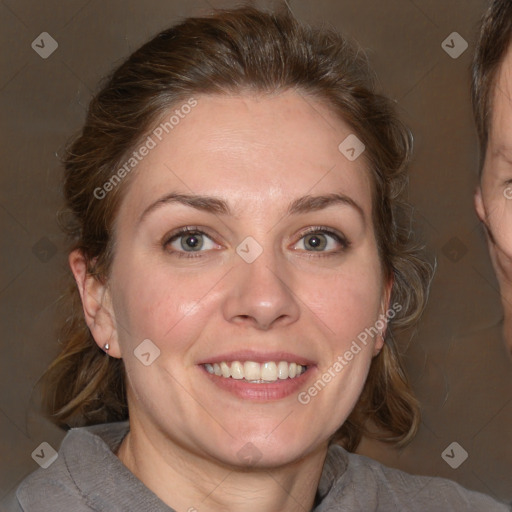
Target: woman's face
point(493, 198)
point(279, 266)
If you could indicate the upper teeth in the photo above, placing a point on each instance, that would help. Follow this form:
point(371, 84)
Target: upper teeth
point(255, 372)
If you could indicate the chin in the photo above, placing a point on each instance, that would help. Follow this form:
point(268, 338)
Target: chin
point(268, 448)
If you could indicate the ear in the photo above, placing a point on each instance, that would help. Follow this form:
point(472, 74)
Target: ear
point(479, 204)
point(384, 307)
point(96, 301)
point(482, 215)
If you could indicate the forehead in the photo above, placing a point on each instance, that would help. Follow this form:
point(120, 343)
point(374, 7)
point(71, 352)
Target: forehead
point(254, 151)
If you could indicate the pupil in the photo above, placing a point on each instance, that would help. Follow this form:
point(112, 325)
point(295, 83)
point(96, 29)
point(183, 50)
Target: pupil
point(316, 241)
point(192, 242)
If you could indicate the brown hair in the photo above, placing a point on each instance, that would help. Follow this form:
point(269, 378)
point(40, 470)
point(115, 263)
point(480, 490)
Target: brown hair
point(229, 52)
point(492, 45)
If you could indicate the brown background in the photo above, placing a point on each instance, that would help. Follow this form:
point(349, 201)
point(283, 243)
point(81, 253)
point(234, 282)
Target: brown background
point(456, 358)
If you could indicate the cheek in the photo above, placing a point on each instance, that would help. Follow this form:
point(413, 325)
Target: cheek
point(348, 302)
point(346, 307)
point(162, 305)
point(499, 217)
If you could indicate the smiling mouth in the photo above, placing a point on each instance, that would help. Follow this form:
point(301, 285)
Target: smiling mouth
point(254, 372)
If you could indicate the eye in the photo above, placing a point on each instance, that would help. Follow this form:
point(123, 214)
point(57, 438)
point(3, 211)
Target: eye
point(320, 239)
point(189, 240)
point(507, 191)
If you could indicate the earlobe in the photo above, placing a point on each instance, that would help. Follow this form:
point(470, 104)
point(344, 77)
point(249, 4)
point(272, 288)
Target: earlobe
point(96, 304)
point(379, 340)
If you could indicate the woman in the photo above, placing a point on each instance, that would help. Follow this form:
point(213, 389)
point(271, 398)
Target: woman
point(239, 250)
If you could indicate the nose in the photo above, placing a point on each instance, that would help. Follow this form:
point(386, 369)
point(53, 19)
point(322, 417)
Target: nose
point(261, 295)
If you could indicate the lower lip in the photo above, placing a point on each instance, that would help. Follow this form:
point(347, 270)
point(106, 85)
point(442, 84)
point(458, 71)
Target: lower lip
point(260, 392)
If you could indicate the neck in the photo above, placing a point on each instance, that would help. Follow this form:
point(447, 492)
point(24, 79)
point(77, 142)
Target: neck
point(189, 482)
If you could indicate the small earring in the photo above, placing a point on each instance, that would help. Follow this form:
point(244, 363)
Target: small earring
point(106, 347)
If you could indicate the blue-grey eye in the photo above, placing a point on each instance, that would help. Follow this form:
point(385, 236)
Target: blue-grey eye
point(191, 242)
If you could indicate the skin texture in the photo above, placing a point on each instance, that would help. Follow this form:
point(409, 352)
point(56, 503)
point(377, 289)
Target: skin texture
point(493, 197)
point(257, 153)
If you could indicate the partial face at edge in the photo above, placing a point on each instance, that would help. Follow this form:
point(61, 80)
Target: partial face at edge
point(315, 287)
point(494, 197)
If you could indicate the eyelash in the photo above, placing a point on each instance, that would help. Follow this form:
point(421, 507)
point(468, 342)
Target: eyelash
point(340, 239)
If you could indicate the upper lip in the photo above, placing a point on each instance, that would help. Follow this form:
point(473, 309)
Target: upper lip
point(257, 357)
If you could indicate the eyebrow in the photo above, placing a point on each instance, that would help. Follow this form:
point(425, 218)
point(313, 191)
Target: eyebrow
point(216, 205)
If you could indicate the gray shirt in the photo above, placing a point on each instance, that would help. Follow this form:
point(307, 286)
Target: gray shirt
point(88, 476)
